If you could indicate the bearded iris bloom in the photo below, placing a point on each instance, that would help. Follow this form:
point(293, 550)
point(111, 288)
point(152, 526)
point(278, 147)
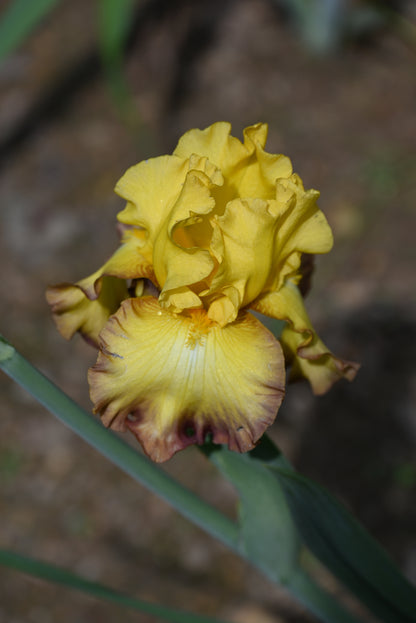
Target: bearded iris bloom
point(215, 229)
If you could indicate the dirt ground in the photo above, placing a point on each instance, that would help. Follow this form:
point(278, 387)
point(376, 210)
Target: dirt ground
point(348, 122)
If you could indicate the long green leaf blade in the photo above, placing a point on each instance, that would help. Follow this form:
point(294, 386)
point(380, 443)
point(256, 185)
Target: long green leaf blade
point(57, 575)
point(343, 545)
point(18, 21)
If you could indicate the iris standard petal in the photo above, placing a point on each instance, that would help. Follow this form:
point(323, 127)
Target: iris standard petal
point(151, 188)
point(302, 228)
point(216, 143)
point(261, 170)
point(248, 170)
point(243, 242)
point(178, 261)
point(307, 354)
point(172, 379)
point(258, 243)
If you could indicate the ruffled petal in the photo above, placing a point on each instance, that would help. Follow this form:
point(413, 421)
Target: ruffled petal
point(303, 228)
point(73, 311)
point(258, 243)
point(249, 171)
point(153, 186)
point(150, 189)
point(244, 243)
point(181, 260)
point(216, 143)
point(308, 355)
point(258, 177)
point(172, 379)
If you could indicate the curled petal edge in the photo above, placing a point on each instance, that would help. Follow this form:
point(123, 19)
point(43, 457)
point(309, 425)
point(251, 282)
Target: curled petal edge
point(73, 311)
point(85, 306)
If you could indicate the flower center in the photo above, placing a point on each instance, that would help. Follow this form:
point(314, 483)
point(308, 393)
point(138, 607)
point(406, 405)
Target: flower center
point(199, 326)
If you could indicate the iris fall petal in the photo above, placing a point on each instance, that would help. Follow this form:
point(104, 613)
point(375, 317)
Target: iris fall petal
point(171, 379)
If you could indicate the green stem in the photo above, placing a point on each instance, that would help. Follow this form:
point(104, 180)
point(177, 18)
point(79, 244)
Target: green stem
point(116, 450)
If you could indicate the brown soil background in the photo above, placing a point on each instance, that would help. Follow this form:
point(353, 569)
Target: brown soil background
point(348, 122)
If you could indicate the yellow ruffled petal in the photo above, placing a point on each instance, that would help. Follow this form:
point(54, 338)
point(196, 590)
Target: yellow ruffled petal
point(244, 242)
point(258, 177)
point(73, 311)
point(258, 243)
point(181, 264)
point(248, 170)
point(151, 188)
point(308, 355)
point(303, 228)
point(168, 197)
point(215, 142)
point(172, 379)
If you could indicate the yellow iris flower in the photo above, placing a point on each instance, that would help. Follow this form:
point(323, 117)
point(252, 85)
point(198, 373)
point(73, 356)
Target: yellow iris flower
point(216, 228)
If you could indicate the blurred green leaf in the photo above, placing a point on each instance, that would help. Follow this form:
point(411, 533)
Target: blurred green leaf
point(114, 26)
point(345, 547)
point(114, 20)
point(320, 22)
point(18, 21)
point(57, 575)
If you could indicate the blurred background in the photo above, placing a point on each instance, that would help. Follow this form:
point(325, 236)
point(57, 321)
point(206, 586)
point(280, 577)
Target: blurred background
point(336, 81)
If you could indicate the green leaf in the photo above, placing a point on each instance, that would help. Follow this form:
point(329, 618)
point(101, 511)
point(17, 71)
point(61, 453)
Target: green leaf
point(18, 21)
point(268, 536)
point(114, 24)
point(57, 575)
point(114, 20)
point(345, 547)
